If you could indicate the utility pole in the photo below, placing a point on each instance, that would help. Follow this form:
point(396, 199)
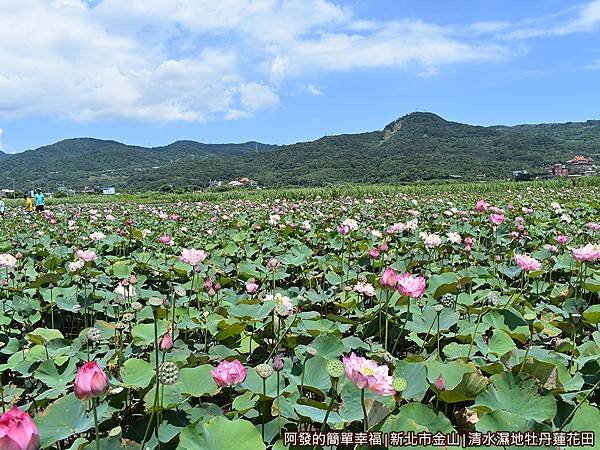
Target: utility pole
point(13, 184)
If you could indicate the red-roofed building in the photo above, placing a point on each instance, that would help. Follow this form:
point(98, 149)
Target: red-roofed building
point(581, 165)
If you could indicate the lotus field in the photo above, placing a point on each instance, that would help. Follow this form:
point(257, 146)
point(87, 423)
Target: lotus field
point(234, 324)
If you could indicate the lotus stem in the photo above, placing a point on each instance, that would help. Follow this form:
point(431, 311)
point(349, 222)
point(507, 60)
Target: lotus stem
point(362, 402)
point(264, 415)
point(96, 424)
point(474, 333)
point(579, 405)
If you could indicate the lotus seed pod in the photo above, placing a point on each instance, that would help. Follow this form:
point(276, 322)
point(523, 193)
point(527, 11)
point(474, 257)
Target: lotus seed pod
point(438, 308)
point(120, 326)
point(335, 368)
point(168, 373)
point(136, 306)
point(94, 335)
point(311, 351)
point(576, 317)
point(155, 302)
point(128, 317)
point(447, 300)
point(180, 291)
point(399, 384)
point(264, 370)
point(93, 280)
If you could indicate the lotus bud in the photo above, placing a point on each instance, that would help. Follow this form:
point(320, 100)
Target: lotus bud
point(277, 363)
point(166, 343)
point(440, 383)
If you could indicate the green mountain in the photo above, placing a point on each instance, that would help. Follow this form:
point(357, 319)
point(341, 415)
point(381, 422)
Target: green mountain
point(418, 146)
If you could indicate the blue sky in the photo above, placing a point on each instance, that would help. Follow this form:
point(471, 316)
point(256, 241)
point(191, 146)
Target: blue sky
point(149, 72)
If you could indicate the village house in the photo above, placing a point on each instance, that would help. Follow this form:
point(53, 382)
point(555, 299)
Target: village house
point(558, 170)
point(242, 182)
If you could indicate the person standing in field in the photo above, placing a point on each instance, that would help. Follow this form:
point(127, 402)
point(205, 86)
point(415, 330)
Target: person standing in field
point(39, 200)
point(28, 204)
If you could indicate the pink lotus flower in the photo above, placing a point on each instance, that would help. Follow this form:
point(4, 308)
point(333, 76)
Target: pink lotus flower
point(91, 381)
point(411, 286)
point(166, 239)
point(373, 253)
point(562, 239)
point(366, 374)
point(7, 261)
point(589, 253)
point(192, 256)
point(18, 431)
point(365, 288)
point(497, 219)
point(343, 229)
point(514, 234)
point(274, 264)
point(481, 205)
point(251, 286)
point(86, 255)
point(229, 373)
point(526, 262)
point(594, 226)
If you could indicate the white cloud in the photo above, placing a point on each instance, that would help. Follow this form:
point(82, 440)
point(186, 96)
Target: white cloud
point(234, 114)
point(587, 19)
point(314, 90)
point(197, 60)
point(489, 26)
point(255, 96)
point(579, 19)
point(594, 65)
